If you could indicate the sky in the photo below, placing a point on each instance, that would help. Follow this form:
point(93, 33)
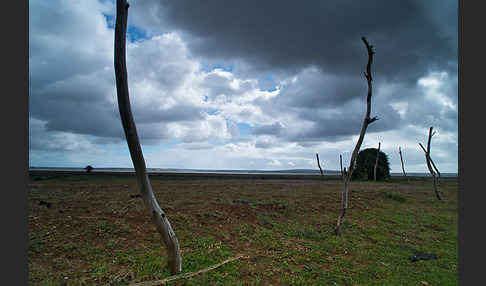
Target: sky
point(262, 85)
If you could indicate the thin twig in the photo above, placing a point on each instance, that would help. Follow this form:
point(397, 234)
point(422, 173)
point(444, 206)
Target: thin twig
point(341, 163)
point(187, 275)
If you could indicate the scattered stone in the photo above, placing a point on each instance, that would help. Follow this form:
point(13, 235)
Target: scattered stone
point(267, 223)
point(422, 256)
point(43, 203)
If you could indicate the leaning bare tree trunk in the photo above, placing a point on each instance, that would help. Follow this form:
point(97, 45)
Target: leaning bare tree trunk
point(401, 160)
point(431, 161)
point(376, 162)
point(158, 216)
point(367, 120)
point(429, 164)
point(319, 164)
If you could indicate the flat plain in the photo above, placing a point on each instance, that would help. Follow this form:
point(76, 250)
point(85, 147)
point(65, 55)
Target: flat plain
point(93, 229)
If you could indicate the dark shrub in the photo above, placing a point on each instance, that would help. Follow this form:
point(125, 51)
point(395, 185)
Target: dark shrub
point(365, 165)
point(88, 169)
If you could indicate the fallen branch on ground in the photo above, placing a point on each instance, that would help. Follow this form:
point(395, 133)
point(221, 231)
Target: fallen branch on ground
point(186, 275)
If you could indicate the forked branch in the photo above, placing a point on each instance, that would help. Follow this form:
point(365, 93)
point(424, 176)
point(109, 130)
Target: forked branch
point(431, 161)
point(429, 164)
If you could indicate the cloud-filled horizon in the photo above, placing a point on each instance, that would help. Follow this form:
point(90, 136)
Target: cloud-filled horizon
point(252, 85)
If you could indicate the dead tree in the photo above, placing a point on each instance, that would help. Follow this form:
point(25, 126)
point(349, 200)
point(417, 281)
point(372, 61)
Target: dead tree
point(431, 161)
point(157, 214)
point(319, 164)
point(367, 121)
point(428, 160)
point(401, 160)
point(376, 162)
point(341, 163)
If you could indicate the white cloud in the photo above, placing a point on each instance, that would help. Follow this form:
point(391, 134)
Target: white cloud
point(435, 84)
point(74, 109)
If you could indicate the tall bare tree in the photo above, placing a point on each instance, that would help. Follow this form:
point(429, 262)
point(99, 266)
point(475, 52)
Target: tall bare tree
point(367, 121)
point(401, 160)
point(429, 162)
point(376, 162)
point(157, 214)
point(319, 164)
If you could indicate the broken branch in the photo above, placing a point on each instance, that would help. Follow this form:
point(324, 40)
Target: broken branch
point(187, 275)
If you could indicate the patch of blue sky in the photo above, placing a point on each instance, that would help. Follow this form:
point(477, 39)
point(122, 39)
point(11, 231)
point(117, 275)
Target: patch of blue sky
point(110, 21)
point(213, 111)
point(206, 67)
point(268, 83)
point(136, 34)
point(244, 128)
point(166, 144)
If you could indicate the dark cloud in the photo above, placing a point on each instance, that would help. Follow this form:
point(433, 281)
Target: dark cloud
point(290, 35)
point(270, 129)
point(153, 113)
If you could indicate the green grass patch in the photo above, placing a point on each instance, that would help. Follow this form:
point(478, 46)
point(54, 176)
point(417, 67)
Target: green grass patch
point(102, 237)
point(395, 196)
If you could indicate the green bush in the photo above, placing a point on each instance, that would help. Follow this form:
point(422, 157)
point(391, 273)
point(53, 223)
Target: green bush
point(365, 165)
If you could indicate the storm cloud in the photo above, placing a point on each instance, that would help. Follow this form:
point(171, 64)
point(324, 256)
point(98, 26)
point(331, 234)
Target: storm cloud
point(271, 82)
point(410, 36)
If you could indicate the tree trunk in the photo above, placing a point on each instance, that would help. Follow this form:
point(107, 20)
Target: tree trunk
point(401, 160)
point(157, 214)
point(376, 162)
point(341, 163)
point(431, 161)
point(318, 164)
point(367, 120)
point(344, 204)
point(428, 159)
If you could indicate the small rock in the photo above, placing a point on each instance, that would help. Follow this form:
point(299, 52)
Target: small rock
point(422, 256)
point(43, 203)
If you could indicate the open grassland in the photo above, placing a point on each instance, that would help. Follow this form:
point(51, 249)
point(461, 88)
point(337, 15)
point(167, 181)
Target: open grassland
point(97, 232)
